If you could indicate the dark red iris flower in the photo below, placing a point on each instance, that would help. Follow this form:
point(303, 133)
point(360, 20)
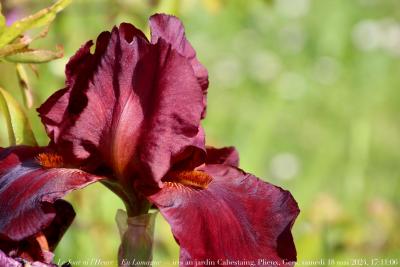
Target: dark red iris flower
point(129, 117)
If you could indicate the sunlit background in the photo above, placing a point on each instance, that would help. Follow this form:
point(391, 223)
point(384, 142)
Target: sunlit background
point(308, 91)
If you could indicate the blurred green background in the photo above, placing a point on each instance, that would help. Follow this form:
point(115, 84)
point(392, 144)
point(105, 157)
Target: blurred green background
point(308, 92)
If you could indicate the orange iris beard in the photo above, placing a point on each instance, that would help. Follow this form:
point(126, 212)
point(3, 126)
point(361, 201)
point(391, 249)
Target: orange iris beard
point(196, 179)
point(50, 160)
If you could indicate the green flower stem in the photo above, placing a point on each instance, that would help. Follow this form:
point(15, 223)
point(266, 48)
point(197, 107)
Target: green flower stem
point(137, 235)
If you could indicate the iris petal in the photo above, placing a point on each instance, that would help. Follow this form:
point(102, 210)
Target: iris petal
point(171, 29)
point(237, 217)
point(225, 155)
point(7, 261)
point(30, 196)
point(134, 106)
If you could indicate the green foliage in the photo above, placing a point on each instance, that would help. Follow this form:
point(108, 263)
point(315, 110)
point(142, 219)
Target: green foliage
point(39, 19)
point(24, 84)
point(18, 126)
point(35, 56)
point(14, 46)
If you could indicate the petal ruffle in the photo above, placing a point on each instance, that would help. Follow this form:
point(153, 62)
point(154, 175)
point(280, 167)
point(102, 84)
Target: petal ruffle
point(237, 217)
point(171, 29)
point(225, 155)
point(30, 196)
point(7, 261)
point(132, 105)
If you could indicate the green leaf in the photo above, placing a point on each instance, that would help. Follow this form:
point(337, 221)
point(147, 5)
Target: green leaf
point(25, 86)
point(18, 126)
point(5, 114)
point(21, 44)
point(39, 19)
point(35, 56)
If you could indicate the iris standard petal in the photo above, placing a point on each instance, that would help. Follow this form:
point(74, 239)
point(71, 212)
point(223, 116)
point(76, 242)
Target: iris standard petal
point(132, 105)
point(171, 29)
point(32, 181)
point(235, 217)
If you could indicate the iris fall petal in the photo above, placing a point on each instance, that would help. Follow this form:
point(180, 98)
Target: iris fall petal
point(237, 217)
point(8, 261)
point(32, 181)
